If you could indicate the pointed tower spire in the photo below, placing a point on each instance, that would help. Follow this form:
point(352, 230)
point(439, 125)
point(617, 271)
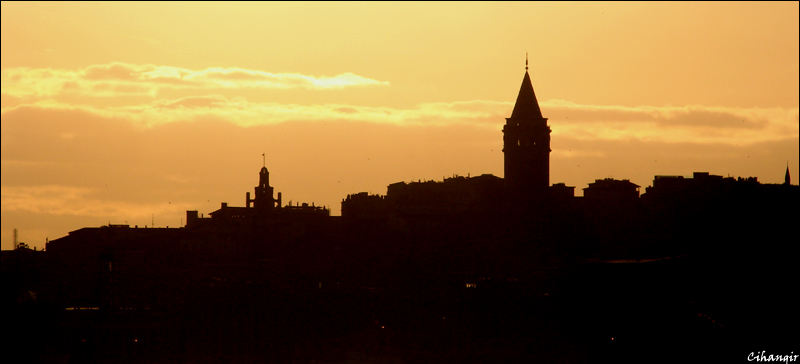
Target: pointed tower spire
point(526, 106)
point(787, 179)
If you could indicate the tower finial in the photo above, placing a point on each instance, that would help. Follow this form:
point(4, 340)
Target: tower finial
point(265, 159)
point(526, 61)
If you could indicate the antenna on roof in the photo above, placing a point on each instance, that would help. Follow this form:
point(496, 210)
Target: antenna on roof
point(526, 61)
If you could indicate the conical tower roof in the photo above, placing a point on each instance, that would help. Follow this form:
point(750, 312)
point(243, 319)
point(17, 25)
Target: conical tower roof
point(787, 179)
point(527, 107)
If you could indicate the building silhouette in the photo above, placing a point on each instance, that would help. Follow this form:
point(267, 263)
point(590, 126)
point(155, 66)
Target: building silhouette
point(264, 208)
point(264, 193)
point(526, 146)
point(610, 190)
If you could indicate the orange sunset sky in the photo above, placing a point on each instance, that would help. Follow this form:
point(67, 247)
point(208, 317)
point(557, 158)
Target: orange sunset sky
point(132, 113)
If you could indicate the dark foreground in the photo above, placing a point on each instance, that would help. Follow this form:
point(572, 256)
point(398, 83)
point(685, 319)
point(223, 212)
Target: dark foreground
point(679, 309)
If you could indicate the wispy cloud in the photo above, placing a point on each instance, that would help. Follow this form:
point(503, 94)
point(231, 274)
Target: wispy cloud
point(700, 124)
point(41, 88)
point(694, 123)
point(124, 79)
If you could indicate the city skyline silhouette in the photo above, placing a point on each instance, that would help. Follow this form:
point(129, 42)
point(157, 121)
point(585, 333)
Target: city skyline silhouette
point(356, 121)
point(511, 261)
point(399, 213)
